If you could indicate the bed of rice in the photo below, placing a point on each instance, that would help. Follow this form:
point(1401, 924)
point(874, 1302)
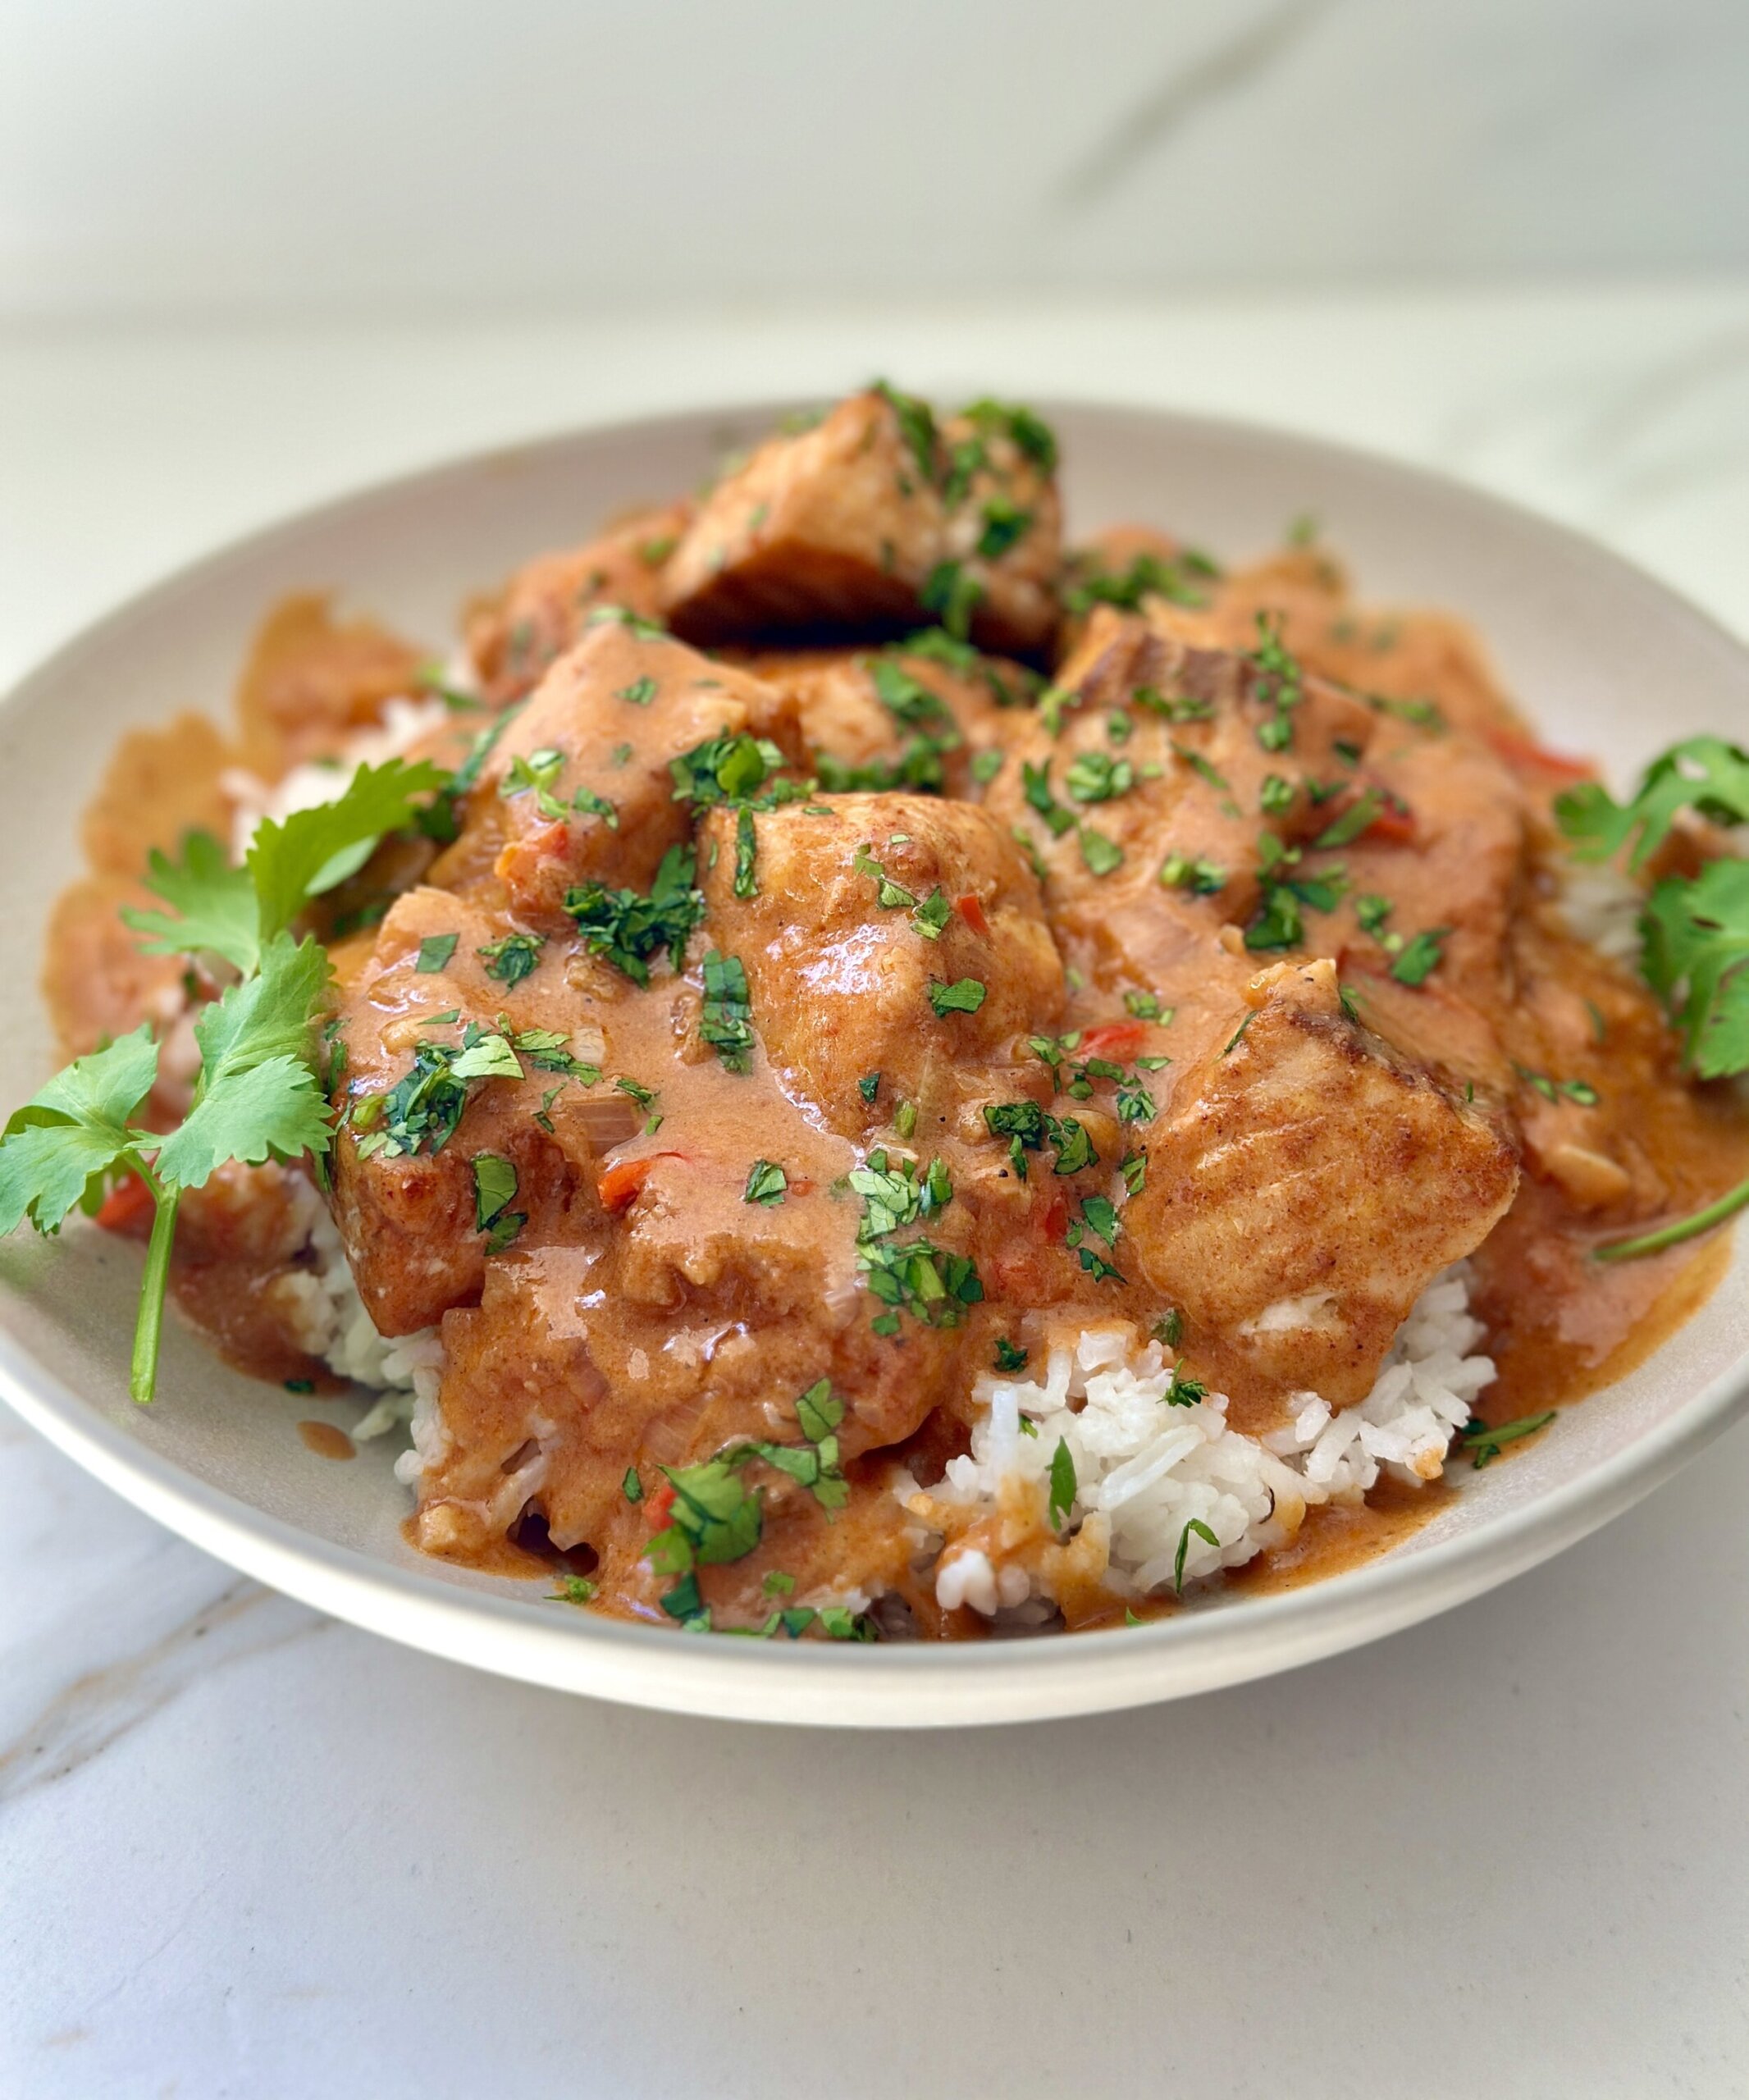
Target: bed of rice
point(1146, 1469)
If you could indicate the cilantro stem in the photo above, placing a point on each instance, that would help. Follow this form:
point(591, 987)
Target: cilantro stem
point(1669, 1236)
point(143, 1371)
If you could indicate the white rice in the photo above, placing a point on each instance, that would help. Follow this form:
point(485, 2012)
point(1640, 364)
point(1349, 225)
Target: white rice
point(405, 723)
point(1145, 1470)
point(331, 1322)
point(1602, 905)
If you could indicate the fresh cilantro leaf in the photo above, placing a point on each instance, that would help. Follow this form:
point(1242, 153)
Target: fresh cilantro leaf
point(1697, 941)
point(215, 904)
point(868, 1086)
point(313, 851)
point(435, 953)
point(1703, 774)
point(257, 1096)
point(76, 1127)
point(1009, 1358)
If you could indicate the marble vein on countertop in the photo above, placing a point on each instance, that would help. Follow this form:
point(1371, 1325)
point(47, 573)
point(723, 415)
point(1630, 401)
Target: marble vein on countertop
point(99, 1708)
point(1184, 93)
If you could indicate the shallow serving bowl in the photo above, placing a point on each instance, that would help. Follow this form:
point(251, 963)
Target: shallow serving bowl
point(1605, 659)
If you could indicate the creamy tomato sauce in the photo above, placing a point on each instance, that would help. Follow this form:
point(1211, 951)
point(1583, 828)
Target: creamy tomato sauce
point(1177, 963)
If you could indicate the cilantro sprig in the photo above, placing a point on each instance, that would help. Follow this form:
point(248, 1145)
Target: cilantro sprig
point(257, 1096)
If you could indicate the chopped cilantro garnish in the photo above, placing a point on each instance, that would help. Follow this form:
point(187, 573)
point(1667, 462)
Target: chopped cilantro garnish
point(494, 1191)
point(635, 624)
point(537, 771)
point(631, 1487)
point(1704, 774)
point(1277, 683)
point(1029, 434)
point(1484, 1444)
point(917, 422)
point(514, 957)
point(868, 1086)
point(1202, 1533)
point(723, 769)
point(1175, 577)
point(435, 953)
point(963, 997)
point(1359, 814)
point(1005, 525)
point(726, 1018)
point(767, 1183)
point(1420, 956)
point(952, 594)
point(985, 765)
point(1169, 1328)
point(1202, 878)
point(1096, 776)
point(1008, 1357)
point(627, 928)
point(1103, 855)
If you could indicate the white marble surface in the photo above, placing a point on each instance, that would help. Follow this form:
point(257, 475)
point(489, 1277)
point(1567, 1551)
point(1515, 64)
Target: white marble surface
point(298, 154)
point(246, 1852)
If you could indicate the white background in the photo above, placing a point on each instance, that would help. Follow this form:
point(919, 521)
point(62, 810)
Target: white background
point(287, 155)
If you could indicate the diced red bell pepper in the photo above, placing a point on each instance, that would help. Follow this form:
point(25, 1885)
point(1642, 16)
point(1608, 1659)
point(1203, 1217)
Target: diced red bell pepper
point(129, 1202)
point(1115, 1039)
point(971, 911)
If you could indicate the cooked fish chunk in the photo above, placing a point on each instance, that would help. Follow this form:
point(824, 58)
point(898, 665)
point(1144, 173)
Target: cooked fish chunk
point(891, 935)
point(872, 521)
point(1305, 1187)
point(579, 787)
point(404, 1193)
point(540, 612)
point(868, 721)
point(1150, 804)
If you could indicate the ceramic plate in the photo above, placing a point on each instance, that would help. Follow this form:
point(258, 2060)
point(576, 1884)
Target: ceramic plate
point(1605, 659)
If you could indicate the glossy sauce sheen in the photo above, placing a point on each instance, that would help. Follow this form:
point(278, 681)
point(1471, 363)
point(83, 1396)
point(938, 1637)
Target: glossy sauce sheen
point(1319, 1126)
